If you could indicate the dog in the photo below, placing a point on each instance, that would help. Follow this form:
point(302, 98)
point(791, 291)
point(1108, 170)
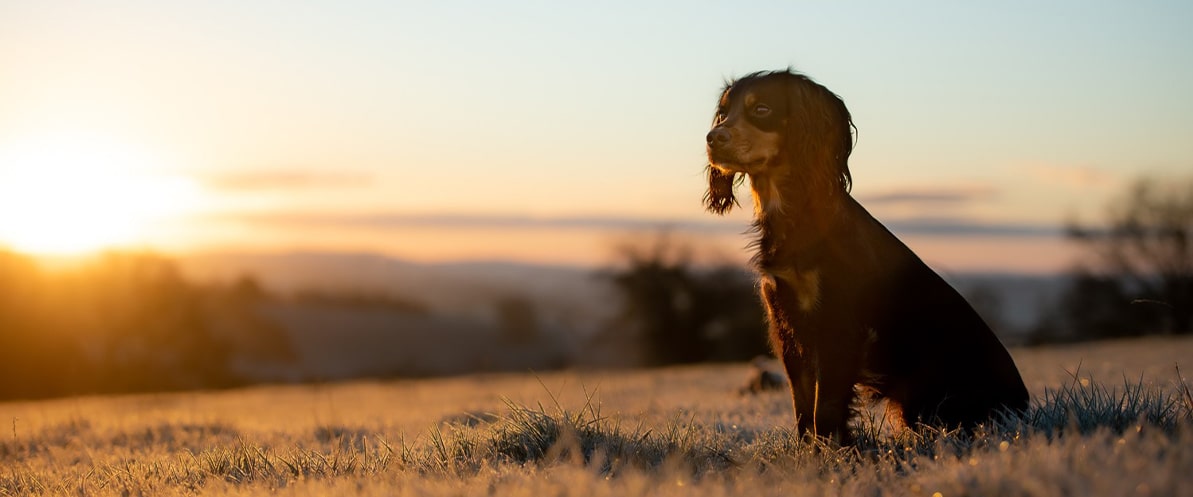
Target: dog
point(853, 313)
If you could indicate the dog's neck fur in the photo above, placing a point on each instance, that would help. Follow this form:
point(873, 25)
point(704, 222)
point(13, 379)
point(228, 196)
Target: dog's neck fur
point(791, 217)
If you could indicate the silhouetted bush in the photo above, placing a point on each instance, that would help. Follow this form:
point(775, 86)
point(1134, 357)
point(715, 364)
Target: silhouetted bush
point(681, 314)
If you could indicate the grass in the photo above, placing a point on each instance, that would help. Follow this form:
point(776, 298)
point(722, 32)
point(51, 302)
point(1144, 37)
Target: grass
point(513, 435)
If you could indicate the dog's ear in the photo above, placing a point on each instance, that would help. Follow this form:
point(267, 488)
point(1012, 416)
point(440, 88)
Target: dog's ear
point(819, 138)
point(719, 197)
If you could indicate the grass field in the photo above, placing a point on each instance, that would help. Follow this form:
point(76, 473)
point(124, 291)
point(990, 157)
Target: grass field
point(1109, 418)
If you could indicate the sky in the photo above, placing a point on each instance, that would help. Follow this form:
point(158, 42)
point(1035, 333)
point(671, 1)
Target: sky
point(552, 132)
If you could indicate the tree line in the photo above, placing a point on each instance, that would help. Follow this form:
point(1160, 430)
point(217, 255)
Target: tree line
point(121, 323)
point(1137, 275)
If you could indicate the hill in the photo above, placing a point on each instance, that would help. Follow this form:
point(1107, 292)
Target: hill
point(465, 322)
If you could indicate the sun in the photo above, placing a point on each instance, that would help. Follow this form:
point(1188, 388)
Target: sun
point(79, 193)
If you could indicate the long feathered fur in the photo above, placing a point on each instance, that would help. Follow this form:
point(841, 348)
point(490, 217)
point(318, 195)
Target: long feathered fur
point(849, 305)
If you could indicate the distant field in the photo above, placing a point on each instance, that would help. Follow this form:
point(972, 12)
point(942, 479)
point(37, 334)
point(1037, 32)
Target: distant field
point(674, 431)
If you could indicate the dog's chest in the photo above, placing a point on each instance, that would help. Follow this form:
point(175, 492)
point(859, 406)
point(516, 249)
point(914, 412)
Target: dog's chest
point(804, 286)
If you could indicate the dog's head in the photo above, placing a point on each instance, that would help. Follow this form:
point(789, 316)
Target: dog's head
point(779, 125)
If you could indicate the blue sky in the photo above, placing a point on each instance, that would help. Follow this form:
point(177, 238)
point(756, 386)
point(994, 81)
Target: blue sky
point(1014, 116)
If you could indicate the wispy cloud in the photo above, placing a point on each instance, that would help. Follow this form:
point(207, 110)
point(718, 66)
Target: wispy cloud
point(933, 196)
point(1071, 176)
point(388, 220)
point(924, 226)
point(937, 226)
point(287, 179)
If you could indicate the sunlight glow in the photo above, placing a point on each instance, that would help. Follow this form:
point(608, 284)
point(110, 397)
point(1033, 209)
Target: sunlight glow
point(73, 194)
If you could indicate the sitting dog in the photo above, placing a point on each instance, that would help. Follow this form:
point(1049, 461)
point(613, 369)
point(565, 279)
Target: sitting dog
point(849, 305)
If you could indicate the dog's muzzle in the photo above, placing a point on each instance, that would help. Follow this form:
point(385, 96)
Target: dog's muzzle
point(717, 138)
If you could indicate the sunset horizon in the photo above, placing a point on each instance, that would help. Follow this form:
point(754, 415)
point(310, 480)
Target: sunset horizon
point(535, 135)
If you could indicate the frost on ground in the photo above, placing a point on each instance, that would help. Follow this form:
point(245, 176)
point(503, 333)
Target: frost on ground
point(1108, 419)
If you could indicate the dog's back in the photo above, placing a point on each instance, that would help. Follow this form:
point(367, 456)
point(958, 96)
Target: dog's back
point(940, 361)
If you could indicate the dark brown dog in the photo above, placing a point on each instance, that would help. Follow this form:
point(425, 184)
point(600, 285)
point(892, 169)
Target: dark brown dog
point(848, 303)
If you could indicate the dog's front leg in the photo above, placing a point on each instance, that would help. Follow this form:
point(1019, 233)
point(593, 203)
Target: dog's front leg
point(803, 373)
point(821, 399)
point(820, 369)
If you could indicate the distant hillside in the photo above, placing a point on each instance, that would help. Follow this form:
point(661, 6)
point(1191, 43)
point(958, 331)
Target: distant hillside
point(312, 316)
point(570, 297)
point(334, 343)
point(1012, 303)
point(567, 296)
point(455, 318)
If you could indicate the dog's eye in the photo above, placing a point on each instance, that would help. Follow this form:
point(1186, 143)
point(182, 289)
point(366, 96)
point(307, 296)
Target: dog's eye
point(761, 110)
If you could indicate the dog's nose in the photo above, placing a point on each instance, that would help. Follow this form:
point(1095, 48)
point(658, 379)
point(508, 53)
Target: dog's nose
point(718, 137)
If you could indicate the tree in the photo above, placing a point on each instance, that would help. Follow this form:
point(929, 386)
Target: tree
point(1143, 255)
point(35, 357)
point(685, 314)
point(146, 323)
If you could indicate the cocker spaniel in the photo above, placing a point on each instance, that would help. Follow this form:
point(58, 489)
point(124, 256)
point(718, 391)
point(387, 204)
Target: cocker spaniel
point(854, 313)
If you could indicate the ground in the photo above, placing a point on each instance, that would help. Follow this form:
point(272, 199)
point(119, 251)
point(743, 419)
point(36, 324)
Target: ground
point(671, 431)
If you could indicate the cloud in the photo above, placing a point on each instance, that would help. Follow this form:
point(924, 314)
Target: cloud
point(388, 220)
point(288, 180)
point(933, 196)
point(937, 226)
point(923, 226)
point(1071, 176)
